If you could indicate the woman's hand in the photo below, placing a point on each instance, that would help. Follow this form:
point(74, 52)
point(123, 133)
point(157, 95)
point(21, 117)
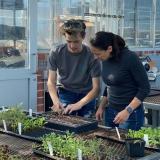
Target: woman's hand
point(121, 117)
point(99, 114)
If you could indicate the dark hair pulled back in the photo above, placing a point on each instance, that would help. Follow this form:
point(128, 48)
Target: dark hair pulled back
point(103, 40)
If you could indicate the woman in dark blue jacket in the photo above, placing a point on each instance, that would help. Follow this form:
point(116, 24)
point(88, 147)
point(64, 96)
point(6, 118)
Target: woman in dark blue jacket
point(126, 82)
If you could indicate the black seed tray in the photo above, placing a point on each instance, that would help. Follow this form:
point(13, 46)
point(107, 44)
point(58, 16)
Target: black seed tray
point(88, 125)
point(149, 155)
point(33, 135)
point(122, 141)
point(38, 151)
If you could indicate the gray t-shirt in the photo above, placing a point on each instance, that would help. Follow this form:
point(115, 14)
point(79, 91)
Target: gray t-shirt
point(75, 70)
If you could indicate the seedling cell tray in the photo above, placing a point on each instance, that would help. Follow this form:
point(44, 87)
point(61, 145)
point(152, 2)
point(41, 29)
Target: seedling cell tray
point(33, 135)
point(38, 151)
point(148, 154)
point(110, 134)
point(70, 123)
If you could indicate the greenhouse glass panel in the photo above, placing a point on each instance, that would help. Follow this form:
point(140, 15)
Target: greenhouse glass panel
point(13, 34)
point(157, 25)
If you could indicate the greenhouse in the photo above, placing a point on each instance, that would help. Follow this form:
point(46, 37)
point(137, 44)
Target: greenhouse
point(79, 79)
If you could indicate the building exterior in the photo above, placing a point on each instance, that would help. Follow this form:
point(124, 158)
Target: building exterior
point(29, 29)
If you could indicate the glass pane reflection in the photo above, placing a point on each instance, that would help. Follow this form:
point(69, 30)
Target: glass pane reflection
point(13, 39)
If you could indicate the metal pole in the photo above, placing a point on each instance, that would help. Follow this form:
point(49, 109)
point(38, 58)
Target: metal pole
point(154, 22)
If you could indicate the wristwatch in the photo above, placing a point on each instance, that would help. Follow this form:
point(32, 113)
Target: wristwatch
point(129, 109)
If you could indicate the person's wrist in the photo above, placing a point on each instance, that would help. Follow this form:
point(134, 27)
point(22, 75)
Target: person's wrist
point(129, 109)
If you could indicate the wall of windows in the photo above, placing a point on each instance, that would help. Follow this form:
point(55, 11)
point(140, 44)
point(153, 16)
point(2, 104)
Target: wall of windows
point(98, 15)
point(141, 21)
point(157, 24)
point(137, 21)
point(13, 34)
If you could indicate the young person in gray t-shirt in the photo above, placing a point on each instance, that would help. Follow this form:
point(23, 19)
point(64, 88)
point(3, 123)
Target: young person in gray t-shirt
point(77, 72)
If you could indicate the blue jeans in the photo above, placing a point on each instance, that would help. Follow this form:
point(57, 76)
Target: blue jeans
point(67, 97)
point(134, 122)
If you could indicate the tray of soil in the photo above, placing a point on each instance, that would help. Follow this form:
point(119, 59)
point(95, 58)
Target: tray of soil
point(69, 123)
point(33, 135)
point(15, 122)
point(67, 146)
point(111, 134)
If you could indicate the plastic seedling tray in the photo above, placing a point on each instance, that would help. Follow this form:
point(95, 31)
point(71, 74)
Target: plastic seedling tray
point(70, 123)
point(123, 155)
point(39, 151)
point(33, 135)
point(110, 134)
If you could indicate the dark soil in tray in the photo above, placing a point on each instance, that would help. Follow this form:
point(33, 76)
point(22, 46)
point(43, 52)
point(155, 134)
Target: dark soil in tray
point(66, 120)
point(111, 134)
point(71, 123)
point(37, 133)
point(33, 135)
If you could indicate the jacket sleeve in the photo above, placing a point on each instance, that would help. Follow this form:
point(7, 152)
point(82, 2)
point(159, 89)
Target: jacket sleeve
point(140, 76)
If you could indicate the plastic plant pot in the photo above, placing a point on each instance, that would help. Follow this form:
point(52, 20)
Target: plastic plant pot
point(135, 147)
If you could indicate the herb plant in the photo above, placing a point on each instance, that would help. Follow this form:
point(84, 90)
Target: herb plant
point(66, 146)
point(153, 135)
point(15, 115)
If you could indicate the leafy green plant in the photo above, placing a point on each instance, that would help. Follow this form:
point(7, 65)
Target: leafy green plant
point(15, 115)
point(66, 146)
point(135, 134)
point(29, 124)
point(153, 135)
point(12, 116)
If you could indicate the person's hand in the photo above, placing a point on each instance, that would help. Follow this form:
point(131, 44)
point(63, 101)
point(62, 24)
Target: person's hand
point(99, 114)
point(72, 107)
point(57, 107)
point(121, 117)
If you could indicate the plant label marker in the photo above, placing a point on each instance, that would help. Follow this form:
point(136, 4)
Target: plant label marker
point(50, 148)
point(79, 154)
point(4, 125)
point(30, 112)
point(19, 128)
point(145, 137)
point(119, 137)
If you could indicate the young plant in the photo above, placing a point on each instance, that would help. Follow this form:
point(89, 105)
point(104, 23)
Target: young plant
point(153, 135)
point(15, 115)
point(66, 146)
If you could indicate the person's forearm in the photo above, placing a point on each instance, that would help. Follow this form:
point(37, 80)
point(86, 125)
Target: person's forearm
point(90, 96)
point(135, 103)
point(92, 93)
point(103, 102)
point(53, 92)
